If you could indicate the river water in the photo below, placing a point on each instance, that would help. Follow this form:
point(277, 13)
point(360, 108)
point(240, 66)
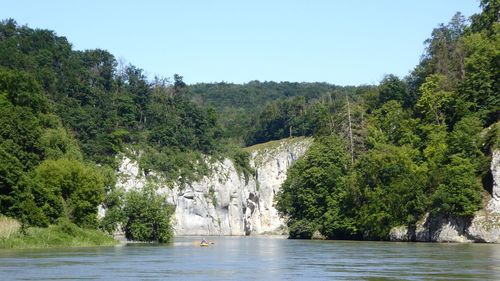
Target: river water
point(257, 258)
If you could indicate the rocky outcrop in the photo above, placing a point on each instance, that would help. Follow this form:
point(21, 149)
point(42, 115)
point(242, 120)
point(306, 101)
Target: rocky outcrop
point(225, 203)
point(494, 203)
point(483, 227)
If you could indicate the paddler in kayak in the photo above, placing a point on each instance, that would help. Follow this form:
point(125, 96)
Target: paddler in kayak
point(204, 242)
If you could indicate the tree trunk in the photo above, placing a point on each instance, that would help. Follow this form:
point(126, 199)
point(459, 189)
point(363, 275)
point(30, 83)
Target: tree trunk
point(350, 128)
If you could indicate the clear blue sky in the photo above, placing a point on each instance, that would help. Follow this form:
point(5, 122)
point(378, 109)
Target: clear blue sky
point(342, 42)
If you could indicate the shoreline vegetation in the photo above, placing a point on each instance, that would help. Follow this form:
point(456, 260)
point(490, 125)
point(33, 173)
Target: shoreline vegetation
point(63, 234)
point(383, 156)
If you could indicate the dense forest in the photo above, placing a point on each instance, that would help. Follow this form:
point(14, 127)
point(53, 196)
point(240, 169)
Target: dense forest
point(383, 155)
point(425, 144)
point(66, 114)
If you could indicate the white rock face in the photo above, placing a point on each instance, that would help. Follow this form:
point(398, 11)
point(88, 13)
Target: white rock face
point(484, 227)
point(494, 204)
point(224, 203)
point(129, 175)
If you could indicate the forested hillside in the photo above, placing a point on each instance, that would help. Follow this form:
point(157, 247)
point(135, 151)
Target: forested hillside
point(65, 115)
point(258, 112)
point(383, 155)
point(426, 148)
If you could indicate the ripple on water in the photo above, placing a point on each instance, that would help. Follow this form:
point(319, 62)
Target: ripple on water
point(258, 258)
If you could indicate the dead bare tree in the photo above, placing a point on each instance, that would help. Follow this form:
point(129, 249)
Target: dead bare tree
point(350, 128)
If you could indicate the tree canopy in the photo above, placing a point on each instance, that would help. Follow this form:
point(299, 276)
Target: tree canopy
point(423, 151)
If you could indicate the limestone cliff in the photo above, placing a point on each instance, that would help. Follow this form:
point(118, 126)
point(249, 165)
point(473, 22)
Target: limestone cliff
point(224, 203)
point(483, 227)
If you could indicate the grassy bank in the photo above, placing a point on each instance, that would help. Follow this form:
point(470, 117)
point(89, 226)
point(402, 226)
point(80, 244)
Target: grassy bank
point(60, 235)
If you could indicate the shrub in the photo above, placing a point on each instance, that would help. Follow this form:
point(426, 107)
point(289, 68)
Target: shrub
point(147, 216)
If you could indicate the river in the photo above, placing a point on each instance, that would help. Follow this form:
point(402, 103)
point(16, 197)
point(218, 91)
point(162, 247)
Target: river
point(257, 258)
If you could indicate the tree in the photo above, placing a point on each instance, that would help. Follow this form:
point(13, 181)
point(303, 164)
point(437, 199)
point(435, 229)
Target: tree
point(310, 184)
point(147, 216)
point(11, 172)
point(480, 85)
point(396, 124)
point(391, 189)
point(392, 88)
point(488, 18)
point(465, 139)
point(22, 90)
point(57, 143)
point(442, 56)
point(137, 86)
point(66, 188)
point(101, 67)
point(179, 85)
point(459, 193)
point(436, 100)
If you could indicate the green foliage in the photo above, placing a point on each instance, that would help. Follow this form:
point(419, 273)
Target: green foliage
point(424, 144)
point(492, 138)
point(240, 158)
point(282, 118)
point(63, 234)
point(20, 132)
point(465, 140)
point(115, 217)
point(176, 122)
point(147, 216)
point(175, 165)
point(57, 143)
point(435, 146)
point(22, 90)
point(212, 196)
point(480, 85)
point(11, 172)
point(392, 88)
point(392, 189)
point(310, 184)
point(435, 100)
point(231, 101)
point(396, 124)
point(339, 220)
point(61, 188)
point(29, 134)
point(443, 55)
point(459, 193)
point(301, 229)
point(488, 18)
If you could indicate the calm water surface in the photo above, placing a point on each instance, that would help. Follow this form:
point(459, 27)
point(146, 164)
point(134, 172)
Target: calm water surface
point(257, 258)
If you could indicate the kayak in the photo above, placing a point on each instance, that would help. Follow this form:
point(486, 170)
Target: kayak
point(203, 244)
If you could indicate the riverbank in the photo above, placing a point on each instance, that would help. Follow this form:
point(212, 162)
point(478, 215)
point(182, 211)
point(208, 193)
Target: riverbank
point(54, 236)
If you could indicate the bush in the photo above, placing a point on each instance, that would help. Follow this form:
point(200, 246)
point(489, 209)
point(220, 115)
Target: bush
point(301, 229)
point(147, 216)
point(62, 188)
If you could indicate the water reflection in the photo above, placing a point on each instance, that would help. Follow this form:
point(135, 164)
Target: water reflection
point(258, 258)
